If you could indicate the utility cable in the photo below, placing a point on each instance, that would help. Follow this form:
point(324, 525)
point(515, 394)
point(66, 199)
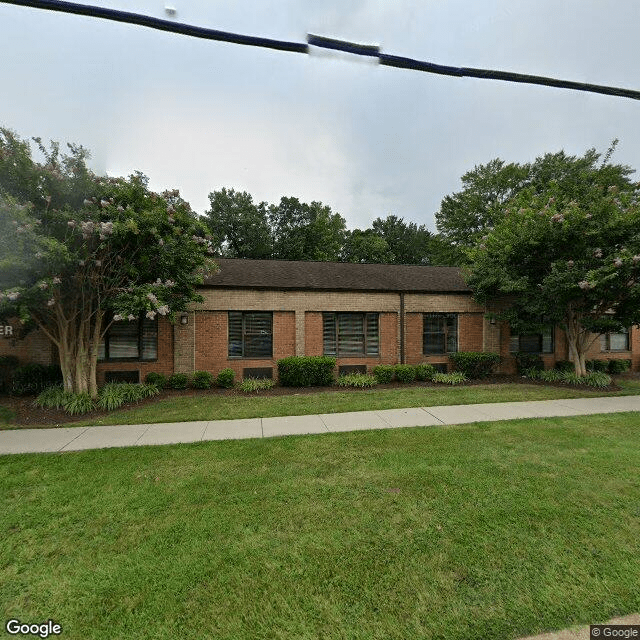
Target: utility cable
point(318, 41)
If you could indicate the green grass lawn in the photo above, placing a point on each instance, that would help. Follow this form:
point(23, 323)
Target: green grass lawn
point(488, 531)
point(216, 407)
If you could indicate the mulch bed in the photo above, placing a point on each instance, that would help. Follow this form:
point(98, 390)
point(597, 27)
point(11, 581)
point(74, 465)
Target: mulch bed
point(26, 413)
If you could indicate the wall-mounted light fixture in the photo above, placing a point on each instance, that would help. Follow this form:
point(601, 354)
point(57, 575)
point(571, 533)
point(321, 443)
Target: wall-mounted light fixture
point(184, 319)
point(493, 320)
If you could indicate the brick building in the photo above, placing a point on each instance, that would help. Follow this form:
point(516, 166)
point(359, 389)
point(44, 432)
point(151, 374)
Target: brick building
point(258, 311)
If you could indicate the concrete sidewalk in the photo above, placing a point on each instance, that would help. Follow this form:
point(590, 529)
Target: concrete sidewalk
point(77, 438)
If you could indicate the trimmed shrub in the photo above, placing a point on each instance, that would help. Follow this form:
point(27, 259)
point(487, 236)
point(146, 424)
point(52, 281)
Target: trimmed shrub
point(34, 378)
point(225, 378)
point(526, 361)
point(156, 379)
point(250, 385)
point(597, 379)
point(178, 381)
point(306, 371)
point(475, 364)
point(383, 373)
point(358, 380)
point(597, 365)
point(202, 380)
point(405, 373)
point(456, 377)
point(565, 365)
point(424, 371)
point(619, 366)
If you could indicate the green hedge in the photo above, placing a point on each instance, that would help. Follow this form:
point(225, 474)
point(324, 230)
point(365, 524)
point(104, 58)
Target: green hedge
point(306, 371)
point(527, 361)
point(424, 371)
point(202, 380)
point(34, 378)
point(405, 373)
point(619, 366)
point(475, 364)
point(383, 373)
point(565, 365)
point(225, 378)
point(597, 365)
point(178, 381)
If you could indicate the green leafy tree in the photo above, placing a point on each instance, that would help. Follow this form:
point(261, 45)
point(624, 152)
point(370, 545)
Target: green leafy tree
point(365, 246)
point(479, 206)
point(467, 214)
point(83, 252)
point(408, 243)
point(240, 227)
point(304, 231)
point(569, 256)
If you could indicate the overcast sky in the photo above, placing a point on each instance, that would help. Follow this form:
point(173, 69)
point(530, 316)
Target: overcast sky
point(368, 141)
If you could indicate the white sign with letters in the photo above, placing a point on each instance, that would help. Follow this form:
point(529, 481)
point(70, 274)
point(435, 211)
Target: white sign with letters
point(6, 330)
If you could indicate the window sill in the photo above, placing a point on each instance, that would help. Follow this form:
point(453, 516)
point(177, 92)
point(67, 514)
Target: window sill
point(249, 357)
point(124, 360)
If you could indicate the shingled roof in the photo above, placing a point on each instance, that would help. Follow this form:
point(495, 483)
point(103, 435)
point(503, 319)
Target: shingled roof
point(334, 276)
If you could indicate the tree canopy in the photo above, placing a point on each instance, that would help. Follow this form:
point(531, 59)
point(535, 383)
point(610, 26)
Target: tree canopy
point(468, 214)
point(566, 255)
point(81, 252)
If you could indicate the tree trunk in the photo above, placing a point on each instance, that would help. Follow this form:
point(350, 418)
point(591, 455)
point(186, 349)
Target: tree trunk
point(576, 339)
point(78, 353)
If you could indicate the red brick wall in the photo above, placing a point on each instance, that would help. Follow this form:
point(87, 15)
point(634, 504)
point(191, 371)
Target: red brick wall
point(313, 333)
point(35, 347)
point(164, 363)
point(212, 343)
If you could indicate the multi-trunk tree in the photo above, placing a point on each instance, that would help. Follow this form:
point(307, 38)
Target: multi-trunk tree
point(81, 252)
point(567, 256)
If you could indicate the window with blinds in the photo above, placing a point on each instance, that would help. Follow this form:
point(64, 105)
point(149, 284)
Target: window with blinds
point(440, 333)
point(350, 334)
point(615, 341)
point(532, 342)
point(250, 334)
point(134, 340)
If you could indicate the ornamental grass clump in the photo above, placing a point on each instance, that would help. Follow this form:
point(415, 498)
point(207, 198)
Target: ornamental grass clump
point(253, 385)
point(77, 403)
point(114, 394)
point(456, 377)
point(52, 398)
point(597, 379)
point(357, 380)
point(552, 375)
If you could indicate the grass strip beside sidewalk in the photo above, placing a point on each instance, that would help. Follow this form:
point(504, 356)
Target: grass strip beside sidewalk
point(489, 531)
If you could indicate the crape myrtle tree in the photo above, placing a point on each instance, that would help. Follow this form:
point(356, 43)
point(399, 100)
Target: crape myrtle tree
point(569, 256)
point(81, 252)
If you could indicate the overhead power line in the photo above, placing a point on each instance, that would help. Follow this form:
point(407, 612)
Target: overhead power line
point(318, 41)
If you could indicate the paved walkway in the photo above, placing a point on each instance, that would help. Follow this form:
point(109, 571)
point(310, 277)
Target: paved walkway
point(77, 438)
